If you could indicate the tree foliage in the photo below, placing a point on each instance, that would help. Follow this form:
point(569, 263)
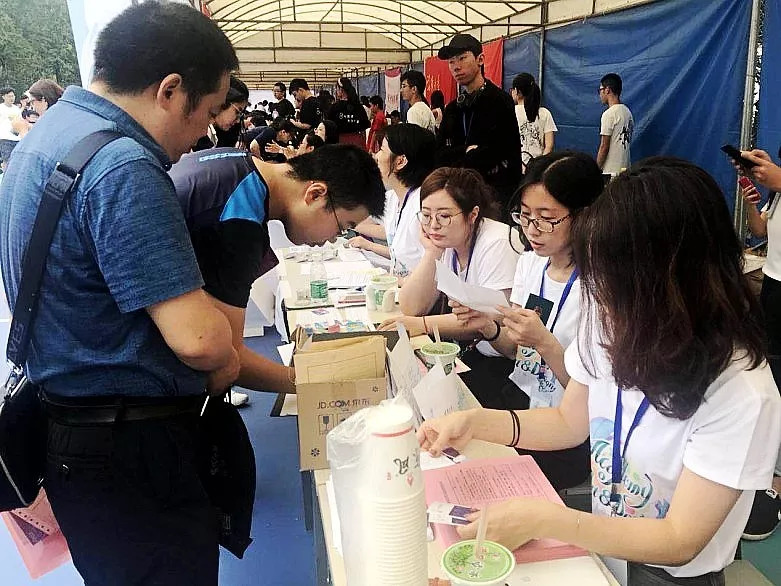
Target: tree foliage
point(36, 41)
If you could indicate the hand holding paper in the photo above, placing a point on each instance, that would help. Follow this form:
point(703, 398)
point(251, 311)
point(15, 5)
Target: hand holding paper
point(472, 296)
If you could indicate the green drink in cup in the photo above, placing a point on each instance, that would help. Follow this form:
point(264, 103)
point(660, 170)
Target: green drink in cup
point(464, 569)
point(444, 353)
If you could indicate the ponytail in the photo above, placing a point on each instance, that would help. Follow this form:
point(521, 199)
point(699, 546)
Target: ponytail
point(525, 85)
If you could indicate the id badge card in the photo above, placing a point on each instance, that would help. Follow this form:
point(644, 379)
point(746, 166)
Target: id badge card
point(542, 306)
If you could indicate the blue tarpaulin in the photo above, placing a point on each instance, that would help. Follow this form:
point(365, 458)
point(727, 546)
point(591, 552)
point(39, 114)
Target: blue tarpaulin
point(521, 54)
point(769, 135)
point(683, 64)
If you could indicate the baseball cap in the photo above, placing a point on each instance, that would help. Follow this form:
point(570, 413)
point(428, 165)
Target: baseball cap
point(460, 43)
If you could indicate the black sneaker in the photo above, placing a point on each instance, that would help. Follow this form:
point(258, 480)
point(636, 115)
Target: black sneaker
point(765, 516)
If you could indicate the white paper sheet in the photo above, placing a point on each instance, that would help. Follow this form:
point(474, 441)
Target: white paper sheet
point(429, 462)
point(437, 393)
point(286, 353)
point(405, 371)
point(477, 298)
point(351, 254)
point(289, 406)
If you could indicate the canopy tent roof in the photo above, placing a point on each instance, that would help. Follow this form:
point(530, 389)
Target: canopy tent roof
point(323, 39)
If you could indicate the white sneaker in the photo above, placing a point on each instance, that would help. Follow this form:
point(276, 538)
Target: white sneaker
point(239, 399)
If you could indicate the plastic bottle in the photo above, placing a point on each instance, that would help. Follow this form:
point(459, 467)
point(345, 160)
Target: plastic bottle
point(318, 279)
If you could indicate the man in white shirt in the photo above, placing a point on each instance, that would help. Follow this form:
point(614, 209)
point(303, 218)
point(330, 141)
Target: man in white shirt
point(616, 128)
point(7, 107)
point(413, 87)
point(8, 113)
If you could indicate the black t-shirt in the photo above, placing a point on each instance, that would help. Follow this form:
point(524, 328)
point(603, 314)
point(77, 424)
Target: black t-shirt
point(225, 203)
point(349, 118)
point(285, 109)
point(310, 112)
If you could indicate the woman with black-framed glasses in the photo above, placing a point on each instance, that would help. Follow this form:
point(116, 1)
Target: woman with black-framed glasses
point(546, 302)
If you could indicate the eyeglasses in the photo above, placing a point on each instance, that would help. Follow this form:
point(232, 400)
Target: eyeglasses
point(342, 231)
point(602, 89)
point(442, 219)
point(239, 111)
point(546, 226)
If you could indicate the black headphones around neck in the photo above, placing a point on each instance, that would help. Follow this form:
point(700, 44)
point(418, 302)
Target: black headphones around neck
point(468, 99)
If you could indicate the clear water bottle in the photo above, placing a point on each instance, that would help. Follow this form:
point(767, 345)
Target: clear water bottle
point(318, 279)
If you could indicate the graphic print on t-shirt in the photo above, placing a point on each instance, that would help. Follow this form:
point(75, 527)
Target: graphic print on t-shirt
point(530, 134)
point(625, 136)
point(638, 498)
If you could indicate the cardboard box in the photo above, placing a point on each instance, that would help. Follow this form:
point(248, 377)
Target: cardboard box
point(334, 379)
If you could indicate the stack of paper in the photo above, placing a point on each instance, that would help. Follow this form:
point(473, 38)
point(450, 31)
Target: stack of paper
point(477, 482)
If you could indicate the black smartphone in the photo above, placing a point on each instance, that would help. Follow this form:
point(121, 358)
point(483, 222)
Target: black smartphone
point(734, 154)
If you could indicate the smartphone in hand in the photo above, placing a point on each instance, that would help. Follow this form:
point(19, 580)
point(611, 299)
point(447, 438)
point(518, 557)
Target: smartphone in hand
point(734, 154)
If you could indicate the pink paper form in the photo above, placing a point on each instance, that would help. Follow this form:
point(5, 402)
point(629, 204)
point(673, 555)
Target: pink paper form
point(475, 482)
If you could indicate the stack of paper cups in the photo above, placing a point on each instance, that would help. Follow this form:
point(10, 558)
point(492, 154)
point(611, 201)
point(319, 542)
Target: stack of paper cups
point(393, 501)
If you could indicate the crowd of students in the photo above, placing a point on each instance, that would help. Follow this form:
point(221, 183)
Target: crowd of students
point(629, 317)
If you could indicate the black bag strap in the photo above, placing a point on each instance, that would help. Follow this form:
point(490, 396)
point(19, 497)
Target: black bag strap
point(61, 182)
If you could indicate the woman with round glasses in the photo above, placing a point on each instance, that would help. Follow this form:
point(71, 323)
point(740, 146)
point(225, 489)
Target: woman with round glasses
point(546, 301)
point(456, 229)
point(668, 377)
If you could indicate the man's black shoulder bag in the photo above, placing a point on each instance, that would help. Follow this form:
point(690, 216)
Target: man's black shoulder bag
point(22, 420)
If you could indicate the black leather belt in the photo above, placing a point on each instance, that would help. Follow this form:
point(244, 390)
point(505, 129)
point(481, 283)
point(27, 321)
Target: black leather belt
point(108, 410)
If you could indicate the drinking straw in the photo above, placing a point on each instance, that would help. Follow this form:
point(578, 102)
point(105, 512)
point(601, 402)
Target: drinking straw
point(437, 339)
point(482, 527)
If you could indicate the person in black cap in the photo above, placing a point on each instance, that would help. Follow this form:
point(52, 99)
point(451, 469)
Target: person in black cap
point(478, 128)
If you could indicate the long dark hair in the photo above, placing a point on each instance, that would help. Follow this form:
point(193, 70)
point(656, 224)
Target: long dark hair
point(437, 100)
point(525, 85)
point(660, 261)
point(352, 95)
point(418, 145)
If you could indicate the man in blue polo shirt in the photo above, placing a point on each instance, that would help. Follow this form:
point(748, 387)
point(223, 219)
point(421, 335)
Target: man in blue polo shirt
point(122, 318)
point(228, 197)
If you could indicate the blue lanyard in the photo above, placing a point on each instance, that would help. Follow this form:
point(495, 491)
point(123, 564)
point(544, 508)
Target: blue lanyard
point(454, 259)
point(564, 294)
point(618, 455)
point(467, 129)
point(401, 209)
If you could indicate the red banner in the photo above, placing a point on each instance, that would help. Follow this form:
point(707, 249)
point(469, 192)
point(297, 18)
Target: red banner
point(438, 76)
point(493, 54)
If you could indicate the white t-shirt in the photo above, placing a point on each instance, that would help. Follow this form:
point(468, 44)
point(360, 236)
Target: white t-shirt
point(7, 114)
point(543, 390)
point(772, 266)
point(421, 115)
point(731, 439)
point(402, 231)
point(619, 125)
point(492, 264)
point(10, 112)
point(533, 133)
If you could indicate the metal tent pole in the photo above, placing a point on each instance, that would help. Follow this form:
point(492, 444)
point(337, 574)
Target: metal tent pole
point(748, 110)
